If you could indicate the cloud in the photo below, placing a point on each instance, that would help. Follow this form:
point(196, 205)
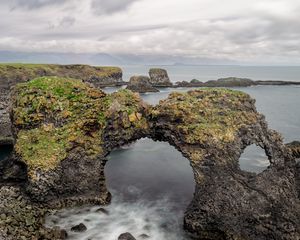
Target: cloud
point(33, 4)
point(238, 30)
point(110, 6)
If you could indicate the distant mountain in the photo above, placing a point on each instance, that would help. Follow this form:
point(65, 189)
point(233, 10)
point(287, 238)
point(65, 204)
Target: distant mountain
point(107, 59)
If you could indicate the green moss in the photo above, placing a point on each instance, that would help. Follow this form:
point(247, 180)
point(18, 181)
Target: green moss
point(56, 115)
point(208, 114)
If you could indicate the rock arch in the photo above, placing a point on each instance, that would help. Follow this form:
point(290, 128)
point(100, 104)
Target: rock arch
point(210, 127)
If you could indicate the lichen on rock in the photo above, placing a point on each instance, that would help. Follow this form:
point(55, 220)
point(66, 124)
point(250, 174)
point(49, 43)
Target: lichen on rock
point(159, 78)
point(141, 84)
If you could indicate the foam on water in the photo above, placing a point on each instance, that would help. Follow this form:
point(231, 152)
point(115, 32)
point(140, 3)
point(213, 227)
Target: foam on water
point(159, 220)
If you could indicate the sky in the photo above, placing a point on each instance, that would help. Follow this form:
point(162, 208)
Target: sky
point(242, 31)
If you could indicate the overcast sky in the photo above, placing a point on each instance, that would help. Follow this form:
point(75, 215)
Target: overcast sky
point(258, 31)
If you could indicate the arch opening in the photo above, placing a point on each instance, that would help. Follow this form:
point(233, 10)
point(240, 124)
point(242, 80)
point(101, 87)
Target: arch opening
point(151, 184)
point(254, 159)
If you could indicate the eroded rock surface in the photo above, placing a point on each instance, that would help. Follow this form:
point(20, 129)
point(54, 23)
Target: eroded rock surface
point(65, 128)
point(159, 77)
point(295, 148)
point(141, 84)
point(211, 128)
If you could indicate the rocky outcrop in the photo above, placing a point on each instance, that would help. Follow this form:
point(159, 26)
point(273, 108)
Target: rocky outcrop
point(11, 74)
point(6, 137)
point(141, 84)
point(159, 78)
point(61, 124)
point(65, 128)
point(231, 82)
point(212, 128)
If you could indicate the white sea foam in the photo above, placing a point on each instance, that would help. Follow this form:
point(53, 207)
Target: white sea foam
point(159, 220)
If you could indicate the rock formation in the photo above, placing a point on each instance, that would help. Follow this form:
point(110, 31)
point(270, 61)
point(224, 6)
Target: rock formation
point(141, 84)
point(11, 74)
point(231, 82)
point(159, 78)
point(65, 128)
point(212, 128)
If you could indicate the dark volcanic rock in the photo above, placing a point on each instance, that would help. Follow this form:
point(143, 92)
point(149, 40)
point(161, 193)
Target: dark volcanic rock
point(102, 210)
point(20, 218)
point(141, 84)
point(159, 77)
point(295, 148)
point(126, 236)
point(79, 228)
point(229, 203)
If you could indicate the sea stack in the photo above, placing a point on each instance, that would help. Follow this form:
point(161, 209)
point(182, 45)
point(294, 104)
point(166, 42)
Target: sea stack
point(141, 84)
point(159, 78)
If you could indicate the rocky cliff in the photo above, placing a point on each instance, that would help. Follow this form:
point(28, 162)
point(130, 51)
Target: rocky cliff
point(65, 128)
point(11, 74)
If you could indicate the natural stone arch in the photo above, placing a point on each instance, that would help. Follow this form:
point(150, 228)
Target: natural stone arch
point(210, 127)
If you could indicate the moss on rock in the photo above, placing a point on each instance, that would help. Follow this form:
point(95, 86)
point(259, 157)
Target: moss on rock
point(54, 115)
point(13, 73)
point(207, 114)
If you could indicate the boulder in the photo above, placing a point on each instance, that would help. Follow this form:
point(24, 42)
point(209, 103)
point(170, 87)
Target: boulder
point(126, 236)
point(159, 78)
point(79, 228)
point(141, 84)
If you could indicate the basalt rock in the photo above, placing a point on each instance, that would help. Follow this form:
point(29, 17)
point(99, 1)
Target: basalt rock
point(65, 128)
point(141, 84)
point(295, 148)
point(159, 77)
point(126, 236)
